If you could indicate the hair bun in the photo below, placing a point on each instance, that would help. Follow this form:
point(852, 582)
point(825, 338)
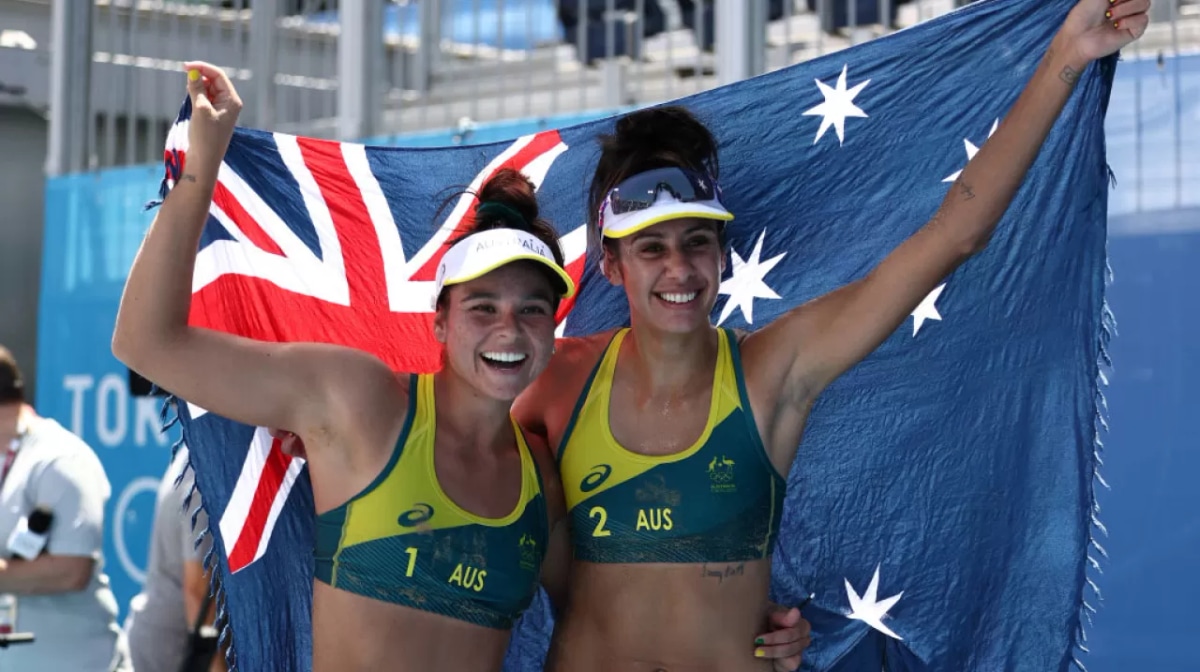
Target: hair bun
point(508, 200)
point(511, 189)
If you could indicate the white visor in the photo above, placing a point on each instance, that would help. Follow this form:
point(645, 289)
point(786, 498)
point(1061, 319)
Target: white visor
point(666, 207)
point(483, 252)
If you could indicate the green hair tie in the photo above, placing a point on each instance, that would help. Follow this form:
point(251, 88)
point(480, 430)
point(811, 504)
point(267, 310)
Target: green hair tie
point(500, 211)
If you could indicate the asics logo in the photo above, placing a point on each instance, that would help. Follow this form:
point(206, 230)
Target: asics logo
point(416, 515)
point(598, 475)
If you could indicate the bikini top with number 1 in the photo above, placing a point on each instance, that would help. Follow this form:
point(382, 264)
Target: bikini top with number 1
point(403, 540)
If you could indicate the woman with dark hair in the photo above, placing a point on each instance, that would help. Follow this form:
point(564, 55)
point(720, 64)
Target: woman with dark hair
point(433, 508)
point(674, 438)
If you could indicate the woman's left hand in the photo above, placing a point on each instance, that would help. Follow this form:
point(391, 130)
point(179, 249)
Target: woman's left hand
point(1096, 28)
point(785, 644)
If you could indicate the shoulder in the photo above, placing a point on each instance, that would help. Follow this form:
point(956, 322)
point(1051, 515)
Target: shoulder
point(562, 381)
point(365, 424)
point(375, 400)
point(344, 379)
point(574, 361)
point(383, 407)
point(582, 350)
point(780, 337)
point(361, 374)
point(55, 460)
point(51, 442)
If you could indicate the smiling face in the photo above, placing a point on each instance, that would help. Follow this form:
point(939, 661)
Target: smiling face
point(498, 329)
point(671, 272)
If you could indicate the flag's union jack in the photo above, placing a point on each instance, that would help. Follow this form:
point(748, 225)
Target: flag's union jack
point(303, 232)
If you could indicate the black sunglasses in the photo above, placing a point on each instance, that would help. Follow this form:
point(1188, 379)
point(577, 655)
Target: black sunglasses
point(640, 191)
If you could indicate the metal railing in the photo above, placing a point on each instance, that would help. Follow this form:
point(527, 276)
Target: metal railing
point(416, 65)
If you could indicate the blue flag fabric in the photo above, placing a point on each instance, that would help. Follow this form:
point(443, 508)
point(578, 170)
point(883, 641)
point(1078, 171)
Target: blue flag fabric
point(947, 479)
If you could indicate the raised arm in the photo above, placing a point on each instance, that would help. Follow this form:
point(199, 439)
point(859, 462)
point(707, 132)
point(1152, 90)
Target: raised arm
point(802, 352)
point(297, 386)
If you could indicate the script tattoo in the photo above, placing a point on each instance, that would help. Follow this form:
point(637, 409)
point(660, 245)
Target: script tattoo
point(1069, 75)
point(722, 573)
point(968, 192)
point(187, 176)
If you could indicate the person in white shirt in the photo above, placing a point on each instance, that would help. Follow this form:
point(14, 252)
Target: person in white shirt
point(62, 595)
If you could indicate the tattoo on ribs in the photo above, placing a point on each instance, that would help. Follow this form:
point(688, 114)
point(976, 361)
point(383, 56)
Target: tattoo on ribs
point(722, 573)
point(1069, 75)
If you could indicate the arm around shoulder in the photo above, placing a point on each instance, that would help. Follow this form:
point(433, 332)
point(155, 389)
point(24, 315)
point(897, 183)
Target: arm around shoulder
point(557, 559)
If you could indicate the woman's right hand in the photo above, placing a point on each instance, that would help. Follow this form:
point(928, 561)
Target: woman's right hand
point(215, 109)
point(1096, 28)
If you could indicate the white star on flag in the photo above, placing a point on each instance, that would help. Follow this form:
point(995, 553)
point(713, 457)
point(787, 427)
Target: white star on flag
point(927, 310)
point(867, 609)
point(746, 283)
point(837, 106)
point(972, 150)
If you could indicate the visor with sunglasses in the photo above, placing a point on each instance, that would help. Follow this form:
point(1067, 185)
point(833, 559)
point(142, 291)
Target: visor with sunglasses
point(658, 195)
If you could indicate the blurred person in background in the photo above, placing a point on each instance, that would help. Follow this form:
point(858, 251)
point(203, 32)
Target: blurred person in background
point(162, 618)
point(52, 579)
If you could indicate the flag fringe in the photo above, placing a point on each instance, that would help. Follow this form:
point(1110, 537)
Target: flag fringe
point(170, 416)
point(1096, 528)
point(1106, 71)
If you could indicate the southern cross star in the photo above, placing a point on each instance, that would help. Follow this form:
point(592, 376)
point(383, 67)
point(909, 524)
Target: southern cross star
point(972, 150)
point(927, 310)
point(868, 609)
point(837, 106)
point(746, 283)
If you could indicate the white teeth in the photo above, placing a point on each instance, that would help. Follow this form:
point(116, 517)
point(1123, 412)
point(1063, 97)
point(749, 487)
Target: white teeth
point(504, 356)
point(678, 298)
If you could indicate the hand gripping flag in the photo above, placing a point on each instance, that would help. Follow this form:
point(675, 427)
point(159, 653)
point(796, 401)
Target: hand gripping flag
point(941, 506)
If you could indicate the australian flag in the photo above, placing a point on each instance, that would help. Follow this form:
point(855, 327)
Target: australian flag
point(941, 506)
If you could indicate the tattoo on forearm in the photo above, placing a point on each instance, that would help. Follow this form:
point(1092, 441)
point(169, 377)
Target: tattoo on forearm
point(722, 573)
point(1069, 75)
point(968, 193)
point(187, 176)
